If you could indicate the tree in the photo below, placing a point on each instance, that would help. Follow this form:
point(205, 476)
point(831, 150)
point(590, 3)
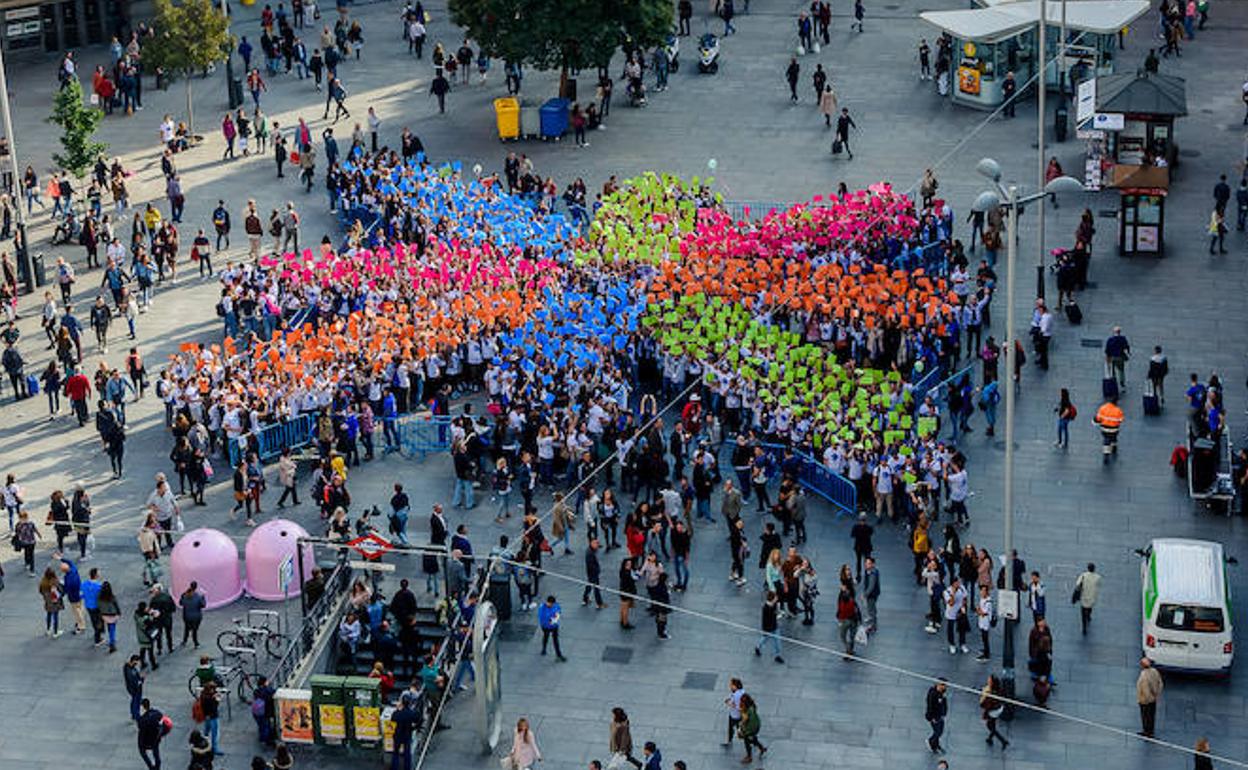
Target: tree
point(78, 123)
point(189, 38)
point(563, 33)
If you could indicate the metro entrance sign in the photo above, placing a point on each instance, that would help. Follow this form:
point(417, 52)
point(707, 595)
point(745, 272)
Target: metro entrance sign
point(371, 546)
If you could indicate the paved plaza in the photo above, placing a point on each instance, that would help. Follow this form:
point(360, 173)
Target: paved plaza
point(63, 704)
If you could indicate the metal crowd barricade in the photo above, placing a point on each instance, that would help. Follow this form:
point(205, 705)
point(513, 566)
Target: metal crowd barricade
point(424, 433)
point(817, 478)
point(270, 440)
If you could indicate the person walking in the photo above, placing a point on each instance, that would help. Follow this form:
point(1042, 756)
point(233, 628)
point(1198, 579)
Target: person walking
point(861, 533)
point(132, 674)
point(152, 728)
point(193, 603)
point(25, 535)
point(792, 73)
point(736, 692)
point(620, 742)
point(406, 721)
point(1066, 412)
point(847, 617)
point(984, 620)
point(593, 575)
point(439, 88)
point(1148, 687)
point(827, 104)
point(770, 626)
point(869, 585)
point(1117, 353)
point(524, 752)
point(991, 708)
point(53, 594)
point(548, 617)
point(749, 729)
point(1087, 590)
point(860, 12)
point(937, 708)
point(843, 124)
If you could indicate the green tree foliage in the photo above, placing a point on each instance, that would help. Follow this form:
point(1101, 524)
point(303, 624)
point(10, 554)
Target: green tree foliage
point(549, 34)
point(78, 122)
point(189, 37)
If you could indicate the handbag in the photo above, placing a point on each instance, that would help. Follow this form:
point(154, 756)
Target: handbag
point(1077, 594)
point(861, 637)
point(178, 524)
point(17, 544)
point(208, 471)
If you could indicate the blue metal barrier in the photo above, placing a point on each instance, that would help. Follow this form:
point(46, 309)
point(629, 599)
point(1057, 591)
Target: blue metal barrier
point(422, 434)
point(272, 439)
point(926, 384)
point(815, 476)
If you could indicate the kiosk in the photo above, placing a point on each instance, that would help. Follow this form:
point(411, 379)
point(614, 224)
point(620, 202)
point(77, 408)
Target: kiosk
point(1128, 121)
point(1002, 37)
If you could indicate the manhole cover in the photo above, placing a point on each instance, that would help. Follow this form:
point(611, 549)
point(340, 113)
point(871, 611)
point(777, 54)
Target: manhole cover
point(621, 655)
point(1189, 153)
point(700, 680)
point(1205, 110)
point(1108, 213)
point(1088, 342)
point(896, 7)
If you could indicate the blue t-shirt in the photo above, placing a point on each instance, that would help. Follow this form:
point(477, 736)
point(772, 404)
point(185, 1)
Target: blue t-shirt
point(548, 615)
point(73, 583)
point(91, 594)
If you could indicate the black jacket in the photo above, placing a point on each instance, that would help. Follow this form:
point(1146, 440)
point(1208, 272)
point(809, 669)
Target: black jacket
point(150, 729)
point(593, 570)
point(937, 705)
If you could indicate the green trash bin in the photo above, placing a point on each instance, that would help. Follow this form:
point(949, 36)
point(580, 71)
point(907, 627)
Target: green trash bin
point(329, 709)
point(362, 695)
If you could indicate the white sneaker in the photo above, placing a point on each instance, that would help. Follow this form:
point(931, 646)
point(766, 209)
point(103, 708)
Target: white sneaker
point(930, 629)
point(965, 649)
point(953, 650)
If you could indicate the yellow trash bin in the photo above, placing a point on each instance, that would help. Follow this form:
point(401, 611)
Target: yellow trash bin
point(507, 116)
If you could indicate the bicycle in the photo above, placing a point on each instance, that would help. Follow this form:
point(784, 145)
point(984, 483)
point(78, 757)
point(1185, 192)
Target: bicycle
point(243, 680)
point(242, 636)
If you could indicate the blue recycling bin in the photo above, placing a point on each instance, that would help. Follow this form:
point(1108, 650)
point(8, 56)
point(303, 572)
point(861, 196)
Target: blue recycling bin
point(554, 116)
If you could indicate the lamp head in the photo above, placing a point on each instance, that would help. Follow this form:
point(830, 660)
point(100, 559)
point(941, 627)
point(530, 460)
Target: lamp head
point(989, 168)
point(987, 201)
point(1064, 184)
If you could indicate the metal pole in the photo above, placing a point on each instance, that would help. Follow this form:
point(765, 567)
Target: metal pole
point(1042, 86)
point(229, 60)
point(1062, 70)
point(1007, 646)
point(303, 595)
point(20, 245)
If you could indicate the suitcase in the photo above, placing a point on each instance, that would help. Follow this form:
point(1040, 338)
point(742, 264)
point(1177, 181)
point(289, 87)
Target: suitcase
point(1152, 404)
point(32, 384)
point(1074, 314)
point(1109, 389)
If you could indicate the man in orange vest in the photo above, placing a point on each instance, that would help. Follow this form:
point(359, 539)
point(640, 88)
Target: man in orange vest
point(1109, 417)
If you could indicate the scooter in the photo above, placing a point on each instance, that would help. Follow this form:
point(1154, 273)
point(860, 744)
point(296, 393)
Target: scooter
point(708, 54)
point(672, 49)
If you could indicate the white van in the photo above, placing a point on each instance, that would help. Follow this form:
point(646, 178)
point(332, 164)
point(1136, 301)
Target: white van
point(1186, 602)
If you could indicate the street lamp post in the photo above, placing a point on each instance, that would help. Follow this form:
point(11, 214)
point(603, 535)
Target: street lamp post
point(1042, 87)
point(20, 246)
point(988, 201)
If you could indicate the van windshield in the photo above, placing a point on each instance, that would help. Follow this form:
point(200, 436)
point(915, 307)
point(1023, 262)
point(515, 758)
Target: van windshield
point(1182, 617)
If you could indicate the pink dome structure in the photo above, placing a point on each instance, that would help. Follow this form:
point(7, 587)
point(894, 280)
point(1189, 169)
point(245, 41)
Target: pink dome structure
point(210, 558)
point(269, 545)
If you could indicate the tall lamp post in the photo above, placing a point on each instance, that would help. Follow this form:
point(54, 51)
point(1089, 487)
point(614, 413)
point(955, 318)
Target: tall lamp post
point(989, 201)
point(22, 250)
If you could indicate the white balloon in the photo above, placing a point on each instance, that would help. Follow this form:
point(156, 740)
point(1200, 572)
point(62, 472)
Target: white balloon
point(477, 169)
point(712, 164)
